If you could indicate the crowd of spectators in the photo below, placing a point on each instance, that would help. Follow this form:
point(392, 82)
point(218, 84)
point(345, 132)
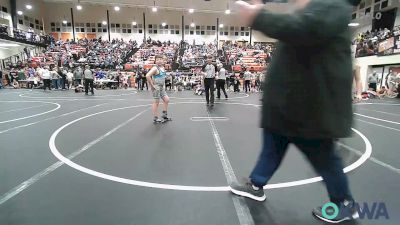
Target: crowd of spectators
point(195, 55)
point(96, 53)
point(367, 43)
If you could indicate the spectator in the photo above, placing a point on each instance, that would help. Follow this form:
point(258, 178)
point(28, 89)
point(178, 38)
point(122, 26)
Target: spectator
point(247, 79)
point(78, 75)
point(89, 78)
point(372, 81)
point(70, 77)
point(55, 77)
point(46, 76)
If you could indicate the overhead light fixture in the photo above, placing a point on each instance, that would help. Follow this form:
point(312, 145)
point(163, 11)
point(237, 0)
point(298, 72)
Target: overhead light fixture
point(19, 12)
point(227, 11)
point(104, 23)
point(354, 24)
point(79, 7)
point(64, 22)
point(154, 9)
point(28, 6)
point(192, 24)
point(134, 23)
point(221, 25)
point(191, 10)
point(8, 45)
point(117, 8)
point(164, 24)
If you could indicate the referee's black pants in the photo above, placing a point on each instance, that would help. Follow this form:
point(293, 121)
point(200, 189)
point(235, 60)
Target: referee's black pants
point(221, 85)
point(209, 88)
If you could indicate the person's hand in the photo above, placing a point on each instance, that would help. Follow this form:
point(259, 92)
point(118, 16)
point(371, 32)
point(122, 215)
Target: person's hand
point(248, 12)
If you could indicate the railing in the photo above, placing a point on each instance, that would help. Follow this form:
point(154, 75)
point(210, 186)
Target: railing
point(21, 56)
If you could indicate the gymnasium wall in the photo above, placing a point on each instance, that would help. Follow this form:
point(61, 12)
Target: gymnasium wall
point(5, 16)
point(204, 31)
point(31, 18)
point(366, 64)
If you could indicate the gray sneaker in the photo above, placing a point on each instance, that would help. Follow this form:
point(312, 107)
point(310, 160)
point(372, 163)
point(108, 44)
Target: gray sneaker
point(347, 211)
point(246, 189)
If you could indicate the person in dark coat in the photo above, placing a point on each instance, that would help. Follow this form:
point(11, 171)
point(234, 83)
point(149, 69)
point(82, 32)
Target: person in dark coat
point(313, 48)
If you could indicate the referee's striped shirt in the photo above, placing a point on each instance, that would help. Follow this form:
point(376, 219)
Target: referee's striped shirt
point(209, 70)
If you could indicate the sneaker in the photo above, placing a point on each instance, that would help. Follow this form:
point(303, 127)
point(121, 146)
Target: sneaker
point(347, 211)
point(248, 190)
point(156, 120)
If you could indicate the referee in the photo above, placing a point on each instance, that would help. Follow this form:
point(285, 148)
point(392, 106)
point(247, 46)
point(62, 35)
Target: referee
point(209, 80)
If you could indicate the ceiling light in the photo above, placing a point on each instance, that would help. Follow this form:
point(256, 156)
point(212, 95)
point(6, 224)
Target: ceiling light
point(227, 11)
point(104, 23)
point(116, 8)
point(154, 9)
point(134, 23)
point(354, 24)
point(8, 45)
point(191, 10)
point(164, 24)
point(20, 12)
point(28, 6)
point(221, 25)
point(79, 7)
point(64, 22)
point(192, 24)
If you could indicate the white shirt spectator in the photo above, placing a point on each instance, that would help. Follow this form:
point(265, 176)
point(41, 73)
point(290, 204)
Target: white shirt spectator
point(46, 74)
point(70, 75)
point(247, 75)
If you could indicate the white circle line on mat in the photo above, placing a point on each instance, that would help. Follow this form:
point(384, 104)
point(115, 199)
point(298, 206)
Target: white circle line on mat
point(378, 119)
point(199, 98)
point(35, 115)
point(83, 169)
point(63, 97)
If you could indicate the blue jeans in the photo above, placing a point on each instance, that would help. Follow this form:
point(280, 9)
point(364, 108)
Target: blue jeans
point(62, 83)
point(56, 83)
point(321, 153)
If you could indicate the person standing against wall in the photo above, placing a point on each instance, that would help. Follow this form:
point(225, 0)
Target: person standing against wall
point(372, 81)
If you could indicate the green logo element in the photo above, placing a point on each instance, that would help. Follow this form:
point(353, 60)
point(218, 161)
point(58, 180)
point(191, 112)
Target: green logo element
point(335, 211)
